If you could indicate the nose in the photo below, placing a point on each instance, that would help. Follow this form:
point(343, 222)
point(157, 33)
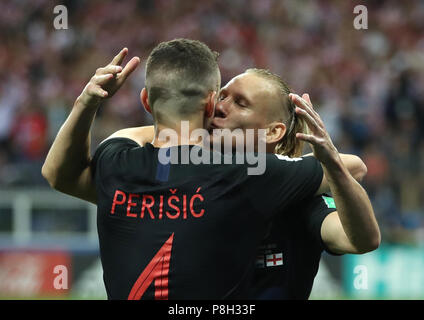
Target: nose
point(221, 109)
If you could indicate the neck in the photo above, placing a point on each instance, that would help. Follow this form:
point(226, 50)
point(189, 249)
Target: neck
point(178, 133)
point(270, 147)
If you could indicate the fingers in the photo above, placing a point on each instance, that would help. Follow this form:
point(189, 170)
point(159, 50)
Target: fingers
point(117, 60)
point(101, 79)
point(318, 138)
point(307, 106)
point(300, 102)
point(96, 90)
point(311, 122)
point(307, 138)
point(107, 80)
point(109, 69)
point(305, 97)
point(96, 83)
point(128, 69)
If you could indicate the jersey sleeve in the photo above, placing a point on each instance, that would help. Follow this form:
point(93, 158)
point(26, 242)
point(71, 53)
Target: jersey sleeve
point(315, 212)
point(111, 158)
point(285, 182)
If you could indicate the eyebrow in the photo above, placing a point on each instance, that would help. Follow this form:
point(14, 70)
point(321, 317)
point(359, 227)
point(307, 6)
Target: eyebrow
point(237, 95)
point(242, 97)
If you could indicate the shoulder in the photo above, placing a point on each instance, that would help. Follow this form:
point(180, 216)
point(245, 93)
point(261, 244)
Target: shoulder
point(278, 158)
point(140, 135)
point(286, 158)
point(278, 162)
point(112, 145)
point(118, 156)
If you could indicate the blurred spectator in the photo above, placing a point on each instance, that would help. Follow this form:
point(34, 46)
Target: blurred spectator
point(28, 134)
point(366, 84)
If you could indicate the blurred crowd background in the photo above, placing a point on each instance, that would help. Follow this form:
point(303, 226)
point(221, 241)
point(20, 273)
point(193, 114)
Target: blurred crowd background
point(366, 84)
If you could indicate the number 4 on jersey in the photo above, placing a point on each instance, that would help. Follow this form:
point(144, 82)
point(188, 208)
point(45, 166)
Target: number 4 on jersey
point(157, 269)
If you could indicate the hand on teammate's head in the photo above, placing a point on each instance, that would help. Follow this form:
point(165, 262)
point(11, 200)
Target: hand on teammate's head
point(321, 144)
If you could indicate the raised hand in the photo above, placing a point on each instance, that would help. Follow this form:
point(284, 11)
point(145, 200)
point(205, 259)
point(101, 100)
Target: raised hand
point(322, 146)
point(107, 80)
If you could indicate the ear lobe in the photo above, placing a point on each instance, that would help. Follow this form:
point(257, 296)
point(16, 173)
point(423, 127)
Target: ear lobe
point(145, 100)
point(210, 105)
point(275, 132)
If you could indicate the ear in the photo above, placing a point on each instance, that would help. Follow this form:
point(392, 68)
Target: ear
point(145, 100)
point(275, 132)
point(210, 105)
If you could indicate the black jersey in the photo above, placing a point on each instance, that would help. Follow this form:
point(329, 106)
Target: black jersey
point(186, 231)
point(288, 258)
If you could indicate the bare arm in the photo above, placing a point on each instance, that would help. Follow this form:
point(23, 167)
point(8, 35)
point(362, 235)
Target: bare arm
point(354, 229)
point(67, 165)
point(353, 164)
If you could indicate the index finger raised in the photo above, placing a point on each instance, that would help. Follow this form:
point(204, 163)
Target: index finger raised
point(117, 60)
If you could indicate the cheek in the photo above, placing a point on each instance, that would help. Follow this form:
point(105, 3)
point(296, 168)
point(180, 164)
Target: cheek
point(251, 120)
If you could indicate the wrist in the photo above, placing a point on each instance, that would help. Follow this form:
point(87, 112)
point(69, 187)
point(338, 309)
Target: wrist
point(82, 103)
point(335, 170)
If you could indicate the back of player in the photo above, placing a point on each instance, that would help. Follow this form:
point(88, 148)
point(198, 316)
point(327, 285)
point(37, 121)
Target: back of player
point(185, 231)
point(289, 256)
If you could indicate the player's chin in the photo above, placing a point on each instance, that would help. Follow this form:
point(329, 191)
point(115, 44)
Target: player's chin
point(212, 129)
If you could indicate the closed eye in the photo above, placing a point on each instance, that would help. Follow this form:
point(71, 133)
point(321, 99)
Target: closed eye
point(241, 104)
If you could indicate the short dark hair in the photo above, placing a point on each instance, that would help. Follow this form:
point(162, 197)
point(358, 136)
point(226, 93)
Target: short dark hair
point(179, 73)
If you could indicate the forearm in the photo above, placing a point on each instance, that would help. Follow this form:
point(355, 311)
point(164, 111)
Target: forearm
point(358, 224)
point(353, 206)
point(69, 154)
point(67, 166)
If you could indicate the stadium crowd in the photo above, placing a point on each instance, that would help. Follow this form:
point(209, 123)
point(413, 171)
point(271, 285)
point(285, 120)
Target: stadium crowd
point(366, 84)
